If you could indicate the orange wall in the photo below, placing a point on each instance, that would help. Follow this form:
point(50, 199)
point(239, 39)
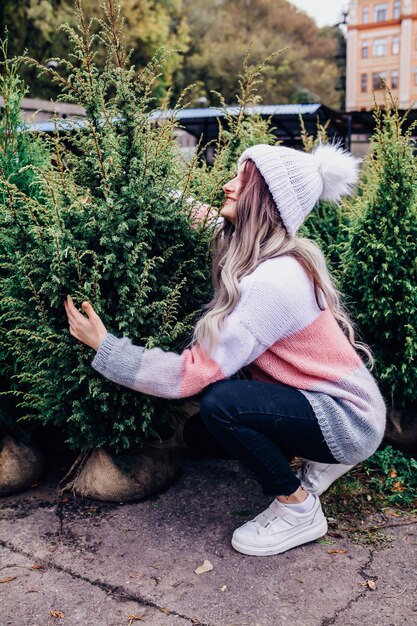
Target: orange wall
point(381, 64)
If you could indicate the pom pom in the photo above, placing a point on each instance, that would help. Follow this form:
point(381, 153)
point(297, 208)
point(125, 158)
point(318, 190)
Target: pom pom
point(339, 169)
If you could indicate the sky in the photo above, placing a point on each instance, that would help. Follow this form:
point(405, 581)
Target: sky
point(325, 12)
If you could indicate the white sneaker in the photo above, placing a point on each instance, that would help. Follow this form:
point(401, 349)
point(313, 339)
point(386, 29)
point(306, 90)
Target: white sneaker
point(317, 477)
point(278, 529)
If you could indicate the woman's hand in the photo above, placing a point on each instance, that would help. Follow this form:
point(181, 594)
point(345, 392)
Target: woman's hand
point(90, 330)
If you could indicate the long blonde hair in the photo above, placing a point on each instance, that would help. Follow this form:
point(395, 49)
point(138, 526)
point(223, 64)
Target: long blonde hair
point(258, 235)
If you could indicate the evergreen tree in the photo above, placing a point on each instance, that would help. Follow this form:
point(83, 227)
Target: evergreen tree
point(20, 153)
point(380, 259)
point(104, 227)
point(328, 223)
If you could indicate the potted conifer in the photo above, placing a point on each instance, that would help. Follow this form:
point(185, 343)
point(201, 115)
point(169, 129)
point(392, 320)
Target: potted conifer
point(108, 226)
point(21, 462)
point(379, 269)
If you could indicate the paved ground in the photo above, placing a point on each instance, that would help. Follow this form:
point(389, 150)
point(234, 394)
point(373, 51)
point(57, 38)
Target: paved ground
point(79, 562)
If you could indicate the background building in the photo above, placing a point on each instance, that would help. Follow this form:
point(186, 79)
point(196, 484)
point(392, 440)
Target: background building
point(382, 43)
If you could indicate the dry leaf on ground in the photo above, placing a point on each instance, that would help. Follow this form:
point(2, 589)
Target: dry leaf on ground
point(134, 618)
point(206, 567)
point(37, 566)
point(371, 584)
point(339, 551)
point(57, 614)
point(398, 487)
point(8, 580)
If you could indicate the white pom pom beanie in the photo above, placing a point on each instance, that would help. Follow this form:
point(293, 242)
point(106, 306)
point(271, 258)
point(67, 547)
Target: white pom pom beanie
point(298, 180)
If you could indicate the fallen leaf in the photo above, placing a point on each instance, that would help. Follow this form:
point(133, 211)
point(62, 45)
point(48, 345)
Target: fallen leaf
point(166, 611)
point(371, 584)
point(37, 566)
point(369, 498)
point(8, 580)
point(32, 591)
point(392, 513)
point(398, 487)
point(57, 614)
point(135, 617)
point(206, 567)
point(224, 588)
point(339, 551)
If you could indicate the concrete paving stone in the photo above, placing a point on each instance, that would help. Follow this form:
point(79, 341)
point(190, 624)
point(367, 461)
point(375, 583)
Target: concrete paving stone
point(46, 597)
point(394, 570)
point(149, 550)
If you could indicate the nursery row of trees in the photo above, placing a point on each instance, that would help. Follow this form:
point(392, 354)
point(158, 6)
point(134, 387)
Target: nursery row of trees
point(103, 213)
point(212, 36)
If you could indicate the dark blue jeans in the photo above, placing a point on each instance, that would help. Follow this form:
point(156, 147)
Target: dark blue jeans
point(264, 425)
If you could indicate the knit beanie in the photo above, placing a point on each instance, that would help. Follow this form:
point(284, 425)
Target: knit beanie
point(298, 180)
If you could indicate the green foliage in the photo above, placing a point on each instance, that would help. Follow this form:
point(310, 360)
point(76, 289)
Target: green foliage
point(20, 153)
point(18, 150)
point(103, 226)
point(379, 269)
point(328, 223)
point(394, 476)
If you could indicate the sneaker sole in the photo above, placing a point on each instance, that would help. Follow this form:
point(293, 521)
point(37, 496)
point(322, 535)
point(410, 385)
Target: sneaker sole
point(314, 532)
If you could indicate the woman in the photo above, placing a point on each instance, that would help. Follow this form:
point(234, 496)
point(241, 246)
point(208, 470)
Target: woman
point(275, 311)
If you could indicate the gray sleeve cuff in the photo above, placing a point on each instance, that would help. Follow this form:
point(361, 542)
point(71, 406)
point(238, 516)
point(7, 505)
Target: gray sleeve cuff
point(118, 360)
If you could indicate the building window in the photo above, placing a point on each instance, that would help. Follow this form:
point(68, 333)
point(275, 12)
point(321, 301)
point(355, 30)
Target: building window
point(395, 78)
point(364, 50)
point(364, 83)
point(381, 12)
point(365, 15)
point(395, 45)
point(380, 48)
point(377, 80)
point(397, 10)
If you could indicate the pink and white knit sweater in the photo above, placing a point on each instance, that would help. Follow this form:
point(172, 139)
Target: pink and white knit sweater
point(280, 333)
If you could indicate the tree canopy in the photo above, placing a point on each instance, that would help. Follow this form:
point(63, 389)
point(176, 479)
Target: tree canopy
point(209, 39)
point(221, 31)
point(150, 26)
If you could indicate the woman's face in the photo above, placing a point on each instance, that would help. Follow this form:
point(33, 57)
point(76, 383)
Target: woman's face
point(232, 190)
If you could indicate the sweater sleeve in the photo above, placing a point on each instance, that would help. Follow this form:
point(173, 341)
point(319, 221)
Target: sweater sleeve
point(269, 309)
point(169, 375)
